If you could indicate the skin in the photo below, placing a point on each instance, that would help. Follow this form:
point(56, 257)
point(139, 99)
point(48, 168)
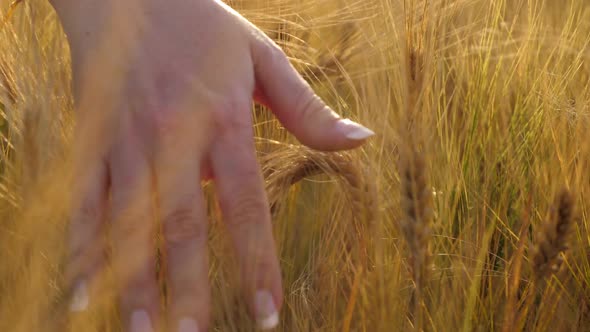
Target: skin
point(163, 93)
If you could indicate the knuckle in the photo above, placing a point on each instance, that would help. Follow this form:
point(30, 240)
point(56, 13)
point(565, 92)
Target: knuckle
point(173, 129)
point(246, 208)
point(273, 55)
point(128, 227)
point(88, 213)
point(131, 221)
point(227, 117)
point(174, 119)
point(166, 123)
point(307, 103)
point(181, 224)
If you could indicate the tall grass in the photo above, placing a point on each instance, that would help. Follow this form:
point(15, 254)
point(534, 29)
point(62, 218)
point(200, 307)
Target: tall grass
point(480, 106)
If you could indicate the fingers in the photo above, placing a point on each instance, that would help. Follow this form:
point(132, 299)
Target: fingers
point(133, 235)
point(184, 225)
point(246, 213)
point(295, 104)
point(85, 230)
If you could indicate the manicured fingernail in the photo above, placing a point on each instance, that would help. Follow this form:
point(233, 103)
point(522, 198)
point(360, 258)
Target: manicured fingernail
point(353, 130)
point(188, 325)
point(79, 301)
point(140, 322)
point(267, 316)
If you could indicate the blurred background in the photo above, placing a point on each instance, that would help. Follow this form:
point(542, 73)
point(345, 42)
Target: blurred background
point(467, 212)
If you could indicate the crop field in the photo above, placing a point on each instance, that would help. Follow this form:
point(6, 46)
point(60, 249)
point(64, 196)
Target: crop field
point(468, 211)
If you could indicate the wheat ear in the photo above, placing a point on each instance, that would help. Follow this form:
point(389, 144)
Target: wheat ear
point(416, 202)
point(552, 240)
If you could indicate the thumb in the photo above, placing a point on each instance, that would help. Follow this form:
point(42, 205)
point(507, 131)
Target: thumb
point(297, 107)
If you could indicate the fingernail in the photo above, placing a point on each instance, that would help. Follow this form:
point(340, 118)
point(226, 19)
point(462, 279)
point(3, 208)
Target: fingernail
point(79, 301)
point(267, 316)
point(188, 325)
point(140, 322)
point(353, 130)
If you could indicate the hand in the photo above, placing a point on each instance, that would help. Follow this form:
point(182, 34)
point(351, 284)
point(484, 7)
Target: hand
point(163, 94)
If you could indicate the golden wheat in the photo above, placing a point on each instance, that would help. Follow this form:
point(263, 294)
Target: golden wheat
point(483, 106)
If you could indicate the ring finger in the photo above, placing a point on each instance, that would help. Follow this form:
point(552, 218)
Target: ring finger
point(184, 225)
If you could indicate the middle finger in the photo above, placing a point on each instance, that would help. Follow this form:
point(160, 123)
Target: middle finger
point(134, 234)
point(184, 225)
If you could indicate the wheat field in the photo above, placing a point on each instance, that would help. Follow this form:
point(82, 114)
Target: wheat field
point(467, 211)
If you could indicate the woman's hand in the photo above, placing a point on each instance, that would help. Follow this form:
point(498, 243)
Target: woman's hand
point(163, 94)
